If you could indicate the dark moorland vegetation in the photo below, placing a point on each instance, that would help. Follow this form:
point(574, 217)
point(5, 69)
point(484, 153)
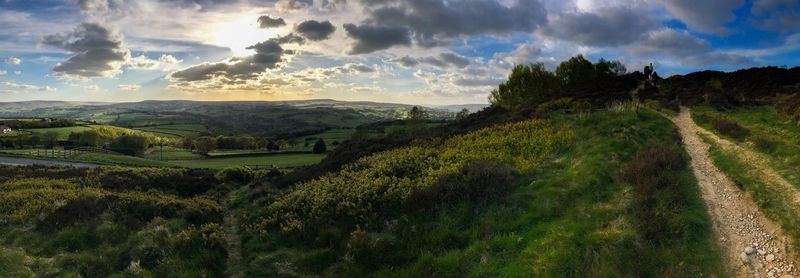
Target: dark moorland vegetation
point(110, 221)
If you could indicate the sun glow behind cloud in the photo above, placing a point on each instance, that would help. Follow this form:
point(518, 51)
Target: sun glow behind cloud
point(241, 33)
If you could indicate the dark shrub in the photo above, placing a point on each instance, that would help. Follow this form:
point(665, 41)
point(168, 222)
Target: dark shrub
point(370, 249)
point(730, 128)
point(654, 173)
point(236, 174)
point(320, 147)
point(763, 144)
point(476, 181)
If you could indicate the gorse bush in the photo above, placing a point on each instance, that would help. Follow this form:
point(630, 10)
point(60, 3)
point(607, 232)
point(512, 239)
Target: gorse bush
point(374, 187)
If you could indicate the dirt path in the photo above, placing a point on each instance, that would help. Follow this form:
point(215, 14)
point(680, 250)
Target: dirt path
point(233, 239)
point(753, 245)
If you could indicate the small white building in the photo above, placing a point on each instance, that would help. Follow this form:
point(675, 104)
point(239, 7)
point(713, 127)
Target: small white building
point(5, 129)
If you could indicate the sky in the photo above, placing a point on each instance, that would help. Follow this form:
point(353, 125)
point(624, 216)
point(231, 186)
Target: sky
point(402, 51)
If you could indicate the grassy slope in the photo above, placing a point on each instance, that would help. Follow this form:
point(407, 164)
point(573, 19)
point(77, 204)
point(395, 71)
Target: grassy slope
point(570, 216)
point(280, 160)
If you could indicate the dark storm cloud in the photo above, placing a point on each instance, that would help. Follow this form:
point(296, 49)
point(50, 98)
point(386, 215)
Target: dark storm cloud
point(605, 27)
point(371, 38)
point(266, 21)
point(269, 54)
point(435, 22)
point(98, 51)
point(444, 60)
point(315, 30)
point(290, 38)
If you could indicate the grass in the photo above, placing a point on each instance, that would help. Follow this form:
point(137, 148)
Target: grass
point(173, 153)
point(772, 201)
point(569, 215)
point(279, 160)
point(771, 135)
point(333, 135)
point(182, 130)
point(63, 132)
point(121, 160)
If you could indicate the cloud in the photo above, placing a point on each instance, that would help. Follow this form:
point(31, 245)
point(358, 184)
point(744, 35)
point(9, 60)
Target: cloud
point(315, 30)
point(435, 22)
point(708, 16)
point(669, 42)
point(98, 52)
point(3, 72)
point(25, 87)
point(165, 62)
point(776, 15)
point(686, 49)
point(13, 61)
point(370, 38)
point(405, 61)
point(129, 88)
point(269, 54)
point(444, 60)
point(93, 5)
point(608, 26)
point(266, 21)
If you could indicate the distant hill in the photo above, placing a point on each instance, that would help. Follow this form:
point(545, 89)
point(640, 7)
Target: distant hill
point(260, 118)
point(456, 108)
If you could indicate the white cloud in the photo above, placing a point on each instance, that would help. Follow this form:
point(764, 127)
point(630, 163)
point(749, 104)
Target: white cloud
point(166, 63)
point(13, 61)
point(25, 87)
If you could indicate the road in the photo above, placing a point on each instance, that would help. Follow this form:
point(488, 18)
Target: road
point(15, 161)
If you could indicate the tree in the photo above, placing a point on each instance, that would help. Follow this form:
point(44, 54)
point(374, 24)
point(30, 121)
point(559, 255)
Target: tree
point(293, 142)
point(577, 71)
point(320, 147)
point(417, 113)
point(134, 145)
point(608, 69)
point(463, 114)
point(205, 144)
point(526, 86)
point(50, 138)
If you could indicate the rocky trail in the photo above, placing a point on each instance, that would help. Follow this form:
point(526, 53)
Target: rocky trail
point(753, 245)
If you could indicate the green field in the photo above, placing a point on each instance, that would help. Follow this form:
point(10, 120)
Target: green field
point(183, 131)
point(330, 136)
point(173, 153)
point(101, 158)
point(279, 160)
point(63, 132)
